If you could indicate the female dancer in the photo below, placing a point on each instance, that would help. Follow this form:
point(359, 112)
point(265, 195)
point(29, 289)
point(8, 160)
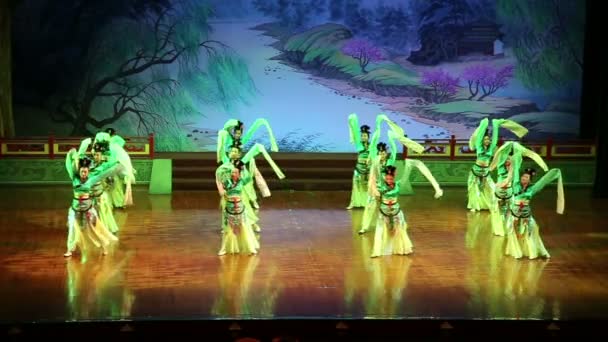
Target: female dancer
point(238, 234)
point(503, 192)
point(233, 134)
point(523, 237)
point(235, 156)
point(84, 227)
point(103, 150)
point(358, 197)
point(120, 190)
point(480, 184)
point(391, 229)
point(378, 163)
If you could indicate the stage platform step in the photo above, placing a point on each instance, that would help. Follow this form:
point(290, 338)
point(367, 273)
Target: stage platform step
point(320, 173)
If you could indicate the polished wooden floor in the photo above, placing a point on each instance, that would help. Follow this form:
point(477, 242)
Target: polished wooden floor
point(313, 264)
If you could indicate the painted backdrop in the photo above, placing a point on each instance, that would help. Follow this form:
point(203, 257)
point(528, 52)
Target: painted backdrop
point(181, 68)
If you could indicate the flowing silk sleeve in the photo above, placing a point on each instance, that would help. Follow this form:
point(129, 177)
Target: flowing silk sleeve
point(373, 148)
point(476, 139)
point(246, 177)
point(117, 139)
point(254, 127)
point(106, 170)
point(259, 179)
point(495, 132)
point(374, 139)
point(353, 130)
point(71, 160)
point(409, 143)
point(121, 156)
point(514, 127)
point(516, 163)
point(393, 126)
point(525, 152)
point(501, 155)
point(229, 124)
point(393, 147)
point(548, 178)
point(428, 175)
point(259, 149)
point(84, 146)
point(372, 183)
point(222, 136)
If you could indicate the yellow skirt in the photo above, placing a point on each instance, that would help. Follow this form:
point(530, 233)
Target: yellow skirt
point(480, 192)
point(358, 198)
point(106, 211)
point(85, 231)
point(238, 236)
point(498, 213)
point(370, 214)
point(389, 241)
point(527, 243)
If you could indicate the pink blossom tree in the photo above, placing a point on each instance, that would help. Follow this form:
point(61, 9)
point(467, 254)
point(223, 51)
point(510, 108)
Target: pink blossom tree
point(444, 85)
point(487, 79)
point(363, 51)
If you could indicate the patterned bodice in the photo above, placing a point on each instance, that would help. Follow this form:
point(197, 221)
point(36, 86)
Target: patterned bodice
point(82, 199)
point(521, 202)
point(234, 198)
point(389, 200)
point(362, 161)
point(484, 157)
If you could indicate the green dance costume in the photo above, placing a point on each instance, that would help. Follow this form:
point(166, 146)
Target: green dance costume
point(503, 192)
point(480, 184)
point(238, 218)
point(379, 159)
point(232, 135)
point(523, 236)
point(391, 228)
point(84, 226)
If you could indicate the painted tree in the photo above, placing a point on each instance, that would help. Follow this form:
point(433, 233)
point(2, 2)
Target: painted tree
point(363, 51)
point(486, 78)
point(131, 76)
point(547, 38)
point(443, 84)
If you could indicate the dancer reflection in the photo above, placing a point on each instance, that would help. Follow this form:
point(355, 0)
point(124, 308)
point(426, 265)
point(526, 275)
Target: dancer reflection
point(95, 289)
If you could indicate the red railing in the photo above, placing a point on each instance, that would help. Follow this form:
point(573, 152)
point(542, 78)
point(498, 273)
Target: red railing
point(143, 147)
point(52, 147)
point(455, 149)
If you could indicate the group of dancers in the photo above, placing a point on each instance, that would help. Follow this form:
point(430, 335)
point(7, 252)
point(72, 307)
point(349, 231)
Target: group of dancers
point(102, 181)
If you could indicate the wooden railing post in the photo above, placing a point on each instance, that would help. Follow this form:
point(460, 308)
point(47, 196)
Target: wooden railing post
point(151, 142)
point(404, 154)
point(549, 148)
point(51, 146)
point(453, 147)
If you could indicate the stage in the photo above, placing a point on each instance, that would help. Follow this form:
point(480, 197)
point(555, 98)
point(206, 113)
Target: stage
point(312, 265)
